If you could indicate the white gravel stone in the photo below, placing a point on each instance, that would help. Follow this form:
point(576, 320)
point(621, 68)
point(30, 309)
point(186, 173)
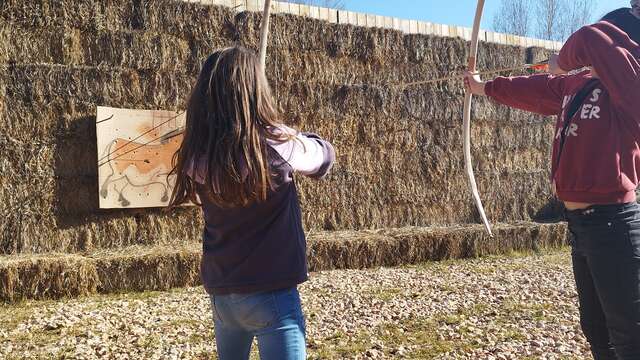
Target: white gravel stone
point(496, 308)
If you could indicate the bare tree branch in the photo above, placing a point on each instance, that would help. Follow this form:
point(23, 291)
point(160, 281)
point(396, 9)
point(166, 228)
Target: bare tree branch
point(549, 18)
point(558, 19)
point(513, 17)
point(580, 13)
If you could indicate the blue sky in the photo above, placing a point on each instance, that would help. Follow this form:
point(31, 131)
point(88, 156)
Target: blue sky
point(450, 12)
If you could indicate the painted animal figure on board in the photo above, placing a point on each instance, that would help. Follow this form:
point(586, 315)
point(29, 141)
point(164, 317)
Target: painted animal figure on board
point(140, 166)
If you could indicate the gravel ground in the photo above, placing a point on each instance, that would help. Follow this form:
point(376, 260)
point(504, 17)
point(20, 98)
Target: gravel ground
point(517, 307)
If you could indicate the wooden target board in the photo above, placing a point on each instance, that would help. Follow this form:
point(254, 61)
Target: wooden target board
point(135, 150)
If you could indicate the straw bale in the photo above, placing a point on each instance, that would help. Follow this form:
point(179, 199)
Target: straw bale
point(33, 13)
point(47, 83)
point(173, 17)
point(375, 183)
point(24, 231)
point(99, 15)
point(368, 45)
point(62, 162)
point(319, 67)
point(308, 34)
point(435, 107)
point(410, 245)
point(10, 224)
point(26, 120)
point(177, 18)
point(90, 232)
point(3, 89)
point(84, 14)
point(46, 278)
point(80, 233)
point(537, 54)
point(377, 174)
point(130, 269)
point(19, 45)
point(349, 201)
point(178, 227)
point(48, 99)
point(139, 268)
point(129, 49)
point(5, 43)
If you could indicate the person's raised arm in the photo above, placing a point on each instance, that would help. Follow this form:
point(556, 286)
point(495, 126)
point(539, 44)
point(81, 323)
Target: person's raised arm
point(307, 153)
point(613, 56)
point(541, 94)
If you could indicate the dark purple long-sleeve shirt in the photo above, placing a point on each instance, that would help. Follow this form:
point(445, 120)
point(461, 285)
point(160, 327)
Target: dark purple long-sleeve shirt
point(262, 246)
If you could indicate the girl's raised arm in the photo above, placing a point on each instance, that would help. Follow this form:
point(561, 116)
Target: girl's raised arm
point(307, 153)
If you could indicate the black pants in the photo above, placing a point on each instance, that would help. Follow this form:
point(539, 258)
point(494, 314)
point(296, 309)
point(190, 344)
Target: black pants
point(606, 265)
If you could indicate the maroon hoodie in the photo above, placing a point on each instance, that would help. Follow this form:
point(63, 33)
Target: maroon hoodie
point(600, 160)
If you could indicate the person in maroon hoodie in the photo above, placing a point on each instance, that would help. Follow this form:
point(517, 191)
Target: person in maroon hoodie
point(595, 168)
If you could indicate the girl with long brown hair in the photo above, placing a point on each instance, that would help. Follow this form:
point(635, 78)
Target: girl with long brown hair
point(237, 161)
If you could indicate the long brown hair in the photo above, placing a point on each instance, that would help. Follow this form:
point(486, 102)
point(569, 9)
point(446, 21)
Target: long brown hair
point(230, 116)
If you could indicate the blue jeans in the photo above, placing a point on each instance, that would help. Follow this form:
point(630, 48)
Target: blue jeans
point(275, 318)
point(606, 266)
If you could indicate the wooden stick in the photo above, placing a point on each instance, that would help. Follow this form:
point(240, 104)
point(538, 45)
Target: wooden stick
point(264, 34)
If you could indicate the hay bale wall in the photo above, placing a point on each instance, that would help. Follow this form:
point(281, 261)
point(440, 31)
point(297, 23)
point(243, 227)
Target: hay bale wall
point(139, 268)
point(400, 159)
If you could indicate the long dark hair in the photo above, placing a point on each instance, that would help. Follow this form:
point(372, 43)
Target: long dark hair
point(230, 116)
point(624, 19)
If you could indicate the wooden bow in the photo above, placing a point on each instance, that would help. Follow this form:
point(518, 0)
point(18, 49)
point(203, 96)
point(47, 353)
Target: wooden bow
point(264, 34)
point(473, 55)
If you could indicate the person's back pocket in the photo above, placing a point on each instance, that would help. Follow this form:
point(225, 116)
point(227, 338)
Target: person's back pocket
point(255, 311)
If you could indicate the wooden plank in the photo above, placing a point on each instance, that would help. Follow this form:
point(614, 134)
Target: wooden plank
point(397, 24)
point(343, 17)
point(371, 20)
point(388, 22)
point(446, 30)
point(379, 21)
point(282, 7)
point(314, 12)
point(294, 9)
point(305, 10)
point(240, 5)
point(253, 5)
point(353, 18)
point(227, 3)
point(333, 16)
point(413, 27)
point(324, 13)
point(361, 19)
point(135, 150)
point(491, 36)
point(405, 26)
point(428, 28)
